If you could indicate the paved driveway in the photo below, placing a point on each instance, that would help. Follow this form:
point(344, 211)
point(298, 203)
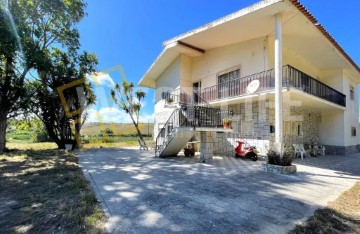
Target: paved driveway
point(143, 194)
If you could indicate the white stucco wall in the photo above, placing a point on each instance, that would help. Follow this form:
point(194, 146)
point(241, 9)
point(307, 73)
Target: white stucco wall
point(292, 58)
point(186, 74)
point(352, 111)
point(333, 78)
point(249, 56)
point(331, 131)
point(336, 125)
point(332, 122)
point(169, 80)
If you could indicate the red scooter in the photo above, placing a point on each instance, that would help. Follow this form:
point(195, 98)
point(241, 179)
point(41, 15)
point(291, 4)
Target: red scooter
point(246, 152)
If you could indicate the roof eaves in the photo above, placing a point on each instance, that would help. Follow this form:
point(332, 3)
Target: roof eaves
point(242, 12)
point(313, 20)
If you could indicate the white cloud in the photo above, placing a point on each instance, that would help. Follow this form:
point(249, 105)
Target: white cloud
point(102, 79)
point(147, 118)
point(114, 115)
point(143, 104)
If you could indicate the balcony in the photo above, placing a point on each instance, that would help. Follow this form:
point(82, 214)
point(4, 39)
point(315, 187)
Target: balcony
point(265, 82)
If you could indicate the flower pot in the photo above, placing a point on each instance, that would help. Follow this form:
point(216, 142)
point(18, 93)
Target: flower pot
point(278, 169)
point(227, 125)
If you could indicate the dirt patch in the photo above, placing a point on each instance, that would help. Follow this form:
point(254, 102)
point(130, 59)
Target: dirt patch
point(341, 216)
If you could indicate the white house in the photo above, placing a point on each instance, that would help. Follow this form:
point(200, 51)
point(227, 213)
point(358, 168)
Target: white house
point(272, 68)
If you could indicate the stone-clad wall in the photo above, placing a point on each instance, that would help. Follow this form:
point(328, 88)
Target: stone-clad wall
point(257, 112)
point(262, 114)
point(225, 143)
point(309, 126)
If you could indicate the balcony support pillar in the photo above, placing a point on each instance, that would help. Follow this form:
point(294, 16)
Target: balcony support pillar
point(206, 147)
point(278, 84)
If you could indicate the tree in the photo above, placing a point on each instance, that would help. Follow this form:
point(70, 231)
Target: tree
point(29, 29)
point(130, 101)
point(63, 68)
point(107, 132)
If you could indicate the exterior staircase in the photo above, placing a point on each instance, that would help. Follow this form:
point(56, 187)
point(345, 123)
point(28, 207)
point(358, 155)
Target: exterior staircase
point(184, 122)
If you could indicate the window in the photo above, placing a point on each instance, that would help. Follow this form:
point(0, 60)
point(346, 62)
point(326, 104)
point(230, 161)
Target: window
point(165, 95)
point(299, 129)
point(353, 131)
point(351, 93)
point(272, 129)
point(229, 76)
point(227, 86)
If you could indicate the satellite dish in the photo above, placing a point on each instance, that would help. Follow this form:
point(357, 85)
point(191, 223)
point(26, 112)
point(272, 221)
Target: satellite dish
point(253, 86)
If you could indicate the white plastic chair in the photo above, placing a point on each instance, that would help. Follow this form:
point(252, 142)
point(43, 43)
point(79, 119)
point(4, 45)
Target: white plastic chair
point(299, 149)
point(320, 149)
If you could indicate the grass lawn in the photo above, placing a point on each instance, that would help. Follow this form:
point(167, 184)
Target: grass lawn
point(50, 145)
point(43, 190)
point(341, 216)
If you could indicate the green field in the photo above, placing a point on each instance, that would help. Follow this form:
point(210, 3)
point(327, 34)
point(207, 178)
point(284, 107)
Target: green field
point(92, 129)
point(125, 135)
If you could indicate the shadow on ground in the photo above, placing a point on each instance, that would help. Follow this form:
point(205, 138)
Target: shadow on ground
point(145, 194)
point(44, 191)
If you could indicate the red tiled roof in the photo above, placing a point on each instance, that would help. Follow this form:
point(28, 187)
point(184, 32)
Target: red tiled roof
point(313, 20)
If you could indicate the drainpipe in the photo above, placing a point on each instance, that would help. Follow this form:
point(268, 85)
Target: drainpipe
point(278, 84)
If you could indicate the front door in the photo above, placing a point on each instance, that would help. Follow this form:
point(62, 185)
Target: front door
point(196, 91)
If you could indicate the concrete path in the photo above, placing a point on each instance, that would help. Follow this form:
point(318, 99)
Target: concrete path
point(143, 194)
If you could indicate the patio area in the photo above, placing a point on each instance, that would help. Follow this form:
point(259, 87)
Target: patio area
point(141, 193)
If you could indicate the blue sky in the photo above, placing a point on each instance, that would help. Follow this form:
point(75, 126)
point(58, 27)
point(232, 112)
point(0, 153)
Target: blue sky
point(130, 33)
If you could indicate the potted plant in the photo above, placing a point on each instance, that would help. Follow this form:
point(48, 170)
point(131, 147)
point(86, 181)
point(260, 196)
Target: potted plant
point(189, 151)
point(169, 100)
point(227, 122)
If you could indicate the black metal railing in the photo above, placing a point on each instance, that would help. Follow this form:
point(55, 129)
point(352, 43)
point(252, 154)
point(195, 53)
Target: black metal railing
point(178, 96)
point(292, 77)
point(191, 116)
point(295, 78)
point(176, 119)
point(200, 116)
point(238, 87)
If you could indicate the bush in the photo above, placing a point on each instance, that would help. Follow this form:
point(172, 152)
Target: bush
point(40, 135)
point(85, 139)
point(273, 157)
point(107, 132)
point(288, 156)
point(285, 160)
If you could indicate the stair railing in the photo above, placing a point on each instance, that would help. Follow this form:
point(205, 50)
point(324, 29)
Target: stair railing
point(176, 119)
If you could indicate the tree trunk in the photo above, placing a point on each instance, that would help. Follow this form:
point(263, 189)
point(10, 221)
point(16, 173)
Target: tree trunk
point(77, 136)
point(3, 125)
point(139, 133)
point(55, 138)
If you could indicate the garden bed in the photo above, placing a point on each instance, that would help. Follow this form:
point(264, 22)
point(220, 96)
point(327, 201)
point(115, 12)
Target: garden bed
point(278, 169)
